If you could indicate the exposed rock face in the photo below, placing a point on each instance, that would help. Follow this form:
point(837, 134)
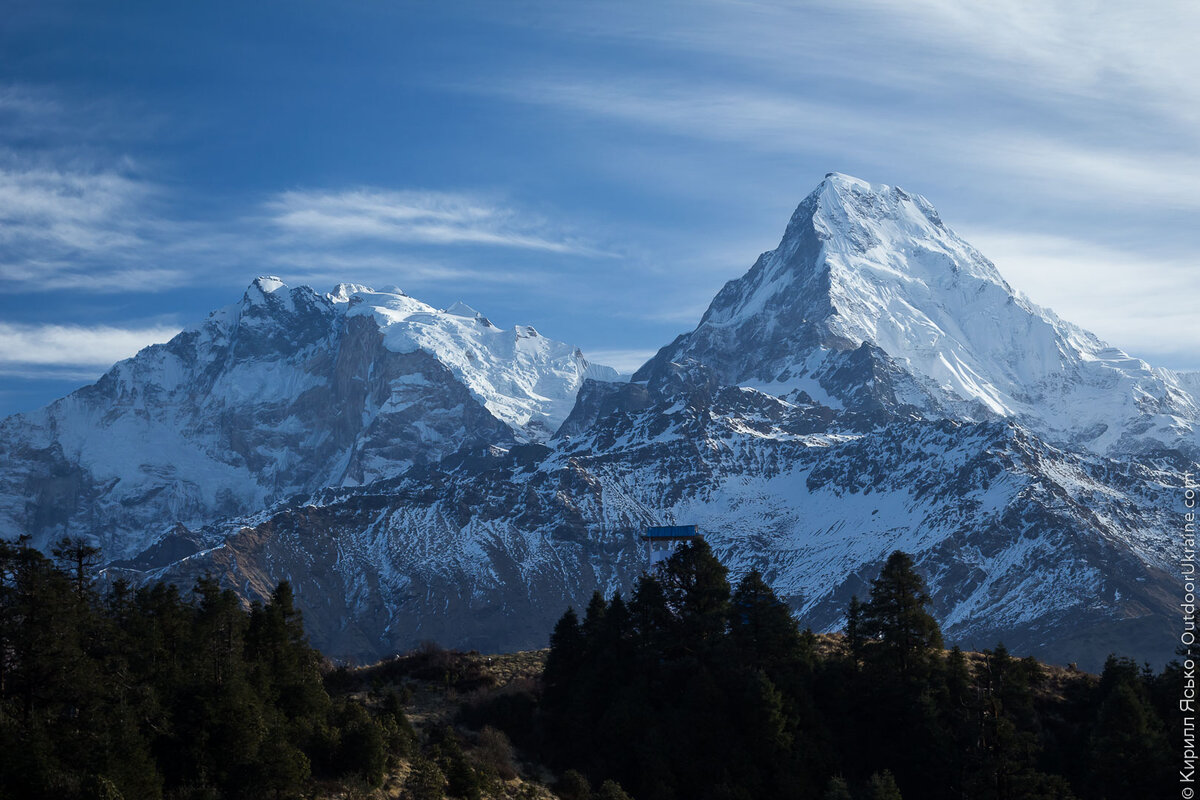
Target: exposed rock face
point(871, 384)
point(1021, 541)
point(284, 393)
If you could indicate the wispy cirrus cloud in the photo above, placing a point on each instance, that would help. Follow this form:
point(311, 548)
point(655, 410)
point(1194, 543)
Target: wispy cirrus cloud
point(325, 267)
point(1063, 100)
point(779, 122)
point(414, 217)
point(73, 213)
point(21, 103)
point(73, 351)
point(1047, 53)
point(77, 214)
point(1141, 56)
point(68, 210)
point(67, 227)
point(104, 232)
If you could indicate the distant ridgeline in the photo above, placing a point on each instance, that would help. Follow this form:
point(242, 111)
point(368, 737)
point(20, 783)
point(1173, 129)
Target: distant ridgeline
point(694, 689)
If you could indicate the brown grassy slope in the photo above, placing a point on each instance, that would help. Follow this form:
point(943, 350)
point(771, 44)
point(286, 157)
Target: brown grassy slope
point(437, 683)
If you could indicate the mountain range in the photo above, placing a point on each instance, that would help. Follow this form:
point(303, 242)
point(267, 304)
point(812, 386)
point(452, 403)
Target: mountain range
point(871, 384)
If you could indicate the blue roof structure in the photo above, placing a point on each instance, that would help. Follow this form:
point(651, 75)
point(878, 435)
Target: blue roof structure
point(670, 532)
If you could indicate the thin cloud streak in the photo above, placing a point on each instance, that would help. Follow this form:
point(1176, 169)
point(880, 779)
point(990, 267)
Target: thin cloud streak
point(74, 215)
point(327, 268)
point(99, 233)
point(76, 375)
point(437, 218)
point(33, 277)
point(24, 346)
point(774, 122)
point(53, 221)
point(1143, 56)
point(91, 222)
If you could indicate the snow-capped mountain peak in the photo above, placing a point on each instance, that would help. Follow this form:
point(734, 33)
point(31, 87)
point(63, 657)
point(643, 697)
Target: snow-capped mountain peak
point(285, 391)
point(266, 284)
point(864, 223)
point(461, 309)
point(526, 380)
point(344, 291)
point(871, 264)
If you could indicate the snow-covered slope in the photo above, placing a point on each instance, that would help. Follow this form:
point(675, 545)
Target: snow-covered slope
point(1059, 554)
point(872, 264)
point(286, 391)
point(520, 376)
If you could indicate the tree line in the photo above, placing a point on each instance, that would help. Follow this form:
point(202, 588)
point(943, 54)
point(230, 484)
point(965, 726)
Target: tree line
point(152, 693)
point(694, 688)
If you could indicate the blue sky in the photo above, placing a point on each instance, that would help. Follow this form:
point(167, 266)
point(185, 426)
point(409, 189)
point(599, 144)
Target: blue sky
point(597, 170)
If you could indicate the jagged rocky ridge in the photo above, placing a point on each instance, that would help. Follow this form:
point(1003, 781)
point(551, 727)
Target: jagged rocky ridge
point(869, 274)
point(870, 384)
point(283, 393)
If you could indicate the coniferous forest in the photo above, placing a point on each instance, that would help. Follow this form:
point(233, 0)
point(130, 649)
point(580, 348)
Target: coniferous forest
point(692, 688)
point(695, 689)
point(153, 693)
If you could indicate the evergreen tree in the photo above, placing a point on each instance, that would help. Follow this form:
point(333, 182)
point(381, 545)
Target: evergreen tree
point(762, 627)
point(593, 617)
point(461, 779)
point(699, 692)
point(696, 588)
point(425, 780)
point(960, 717)
point(837, 789)
point(560, 698)
point(78, 558)
point(854, 628)
point(897, 615)
point(398, 734)
point(611, 790)
point(651, 618)
point(615, 629)
point(145, 694)
point(573, 786)
point(360, 745)
point(1128, 747)
point(566, 654)
point(882, 786)
point(283, 770)
point(283, 666)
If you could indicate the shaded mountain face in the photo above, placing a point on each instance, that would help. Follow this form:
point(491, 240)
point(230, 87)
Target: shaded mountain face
point(285, 392)
point(1060, 554)
point(871, 384)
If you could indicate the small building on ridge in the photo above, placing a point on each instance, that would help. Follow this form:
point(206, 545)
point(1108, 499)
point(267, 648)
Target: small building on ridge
point(661, 540)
